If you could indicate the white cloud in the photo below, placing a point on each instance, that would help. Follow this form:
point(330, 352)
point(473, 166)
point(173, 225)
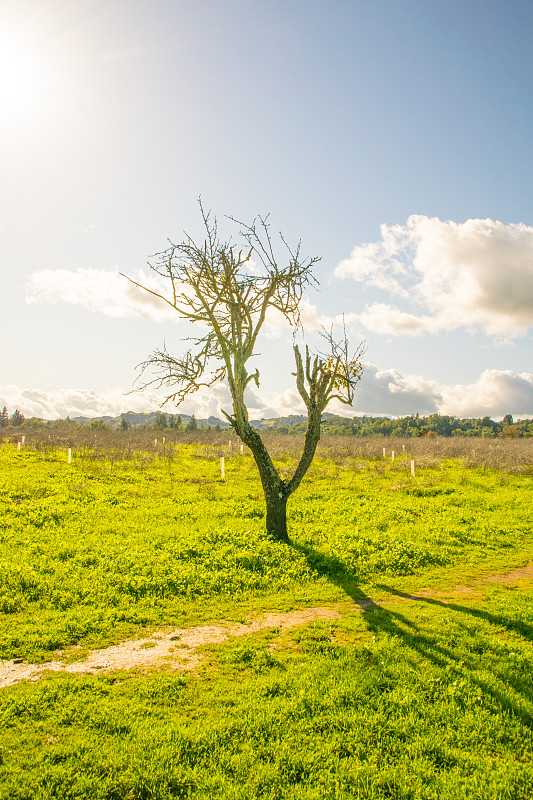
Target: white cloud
point(381, 392)
point(207, 402)
point(101, 290)
point(276, 324)
point(110, 293)
point(494, 394)
point(386, 319)
point(60, 403)
point(265, 405)
point(478, 273)
point(389, 392)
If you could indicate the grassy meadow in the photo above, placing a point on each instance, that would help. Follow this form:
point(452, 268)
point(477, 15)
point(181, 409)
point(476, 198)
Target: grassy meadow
point(427, 693)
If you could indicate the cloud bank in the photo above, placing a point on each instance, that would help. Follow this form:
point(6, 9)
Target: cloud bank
point(381, 392)
point(475, 274)
point(61, 403)
point(105, 291)
point(109, 293)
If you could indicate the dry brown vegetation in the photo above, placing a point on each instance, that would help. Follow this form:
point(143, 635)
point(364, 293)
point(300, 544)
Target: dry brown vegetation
point(495, 453)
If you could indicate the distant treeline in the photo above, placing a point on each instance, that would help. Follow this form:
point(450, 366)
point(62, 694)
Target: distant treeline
point(433, 425)
point(412, 426)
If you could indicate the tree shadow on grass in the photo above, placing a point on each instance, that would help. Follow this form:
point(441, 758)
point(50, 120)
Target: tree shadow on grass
point(337, 572)
point(515, 626)
point(467, 653)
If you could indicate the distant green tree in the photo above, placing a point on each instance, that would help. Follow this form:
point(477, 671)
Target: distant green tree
point(300, 428)
point(192, 425)
point(510, 431)
point(4, 418)
point(99, 425)
point(16, 418)
point(160, 421)
point(385, 427)
point(34, 422)
point(524, 427)
point(125, 425)
point(508, 420)
point(440, 425)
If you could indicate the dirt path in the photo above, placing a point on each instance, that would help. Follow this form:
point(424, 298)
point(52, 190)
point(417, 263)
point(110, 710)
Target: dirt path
point(177, 648)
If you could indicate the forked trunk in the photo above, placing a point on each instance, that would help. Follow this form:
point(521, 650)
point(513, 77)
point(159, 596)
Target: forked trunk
point(276, 490)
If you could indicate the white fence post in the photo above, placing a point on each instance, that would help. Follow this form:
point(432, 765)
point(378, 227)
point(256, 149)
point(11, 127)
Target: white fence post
point(222, 469)
point(413, 469)
point(70, 455)
point(23, 440)
point(18, 445)
point(384, 453)
point(392, 456)
point(242, 449)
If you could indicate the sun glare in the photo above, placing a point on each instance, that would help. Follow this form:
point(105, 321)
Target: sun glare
point(20, 77)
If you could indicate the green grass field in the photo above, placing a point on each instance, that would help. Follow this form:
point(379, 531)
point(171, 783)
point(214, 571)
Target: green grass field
point(426, 697)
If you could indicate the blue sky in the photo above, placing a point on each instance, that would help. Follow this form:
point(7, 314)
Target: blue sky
point(394, 139)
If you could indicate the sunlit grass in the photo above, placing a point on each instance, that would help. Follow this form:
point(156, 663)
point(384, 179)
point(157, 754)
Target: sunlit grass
point(403, 702)
point(427, 698)
point(93, 550)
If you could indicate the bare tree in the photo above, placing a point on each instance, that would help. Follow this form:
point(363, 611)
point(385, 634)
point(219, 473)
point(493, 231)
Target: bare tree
point(212, 284)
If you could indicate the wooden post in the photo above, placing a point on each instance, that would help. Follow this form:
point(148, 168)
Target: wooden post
point(70, 455)
point(384, 453)
point(222, 469)
point(392, 456)
point(18, 445)
point(242, 449)
point(412, 469)
point(403, 448)
point(23, 440)
point(155, 442)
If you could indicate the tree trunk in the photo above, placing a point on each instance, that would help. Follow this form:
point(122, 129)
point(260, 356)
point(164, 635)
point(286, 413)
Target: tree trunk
point(276, 516)
point(275, 490)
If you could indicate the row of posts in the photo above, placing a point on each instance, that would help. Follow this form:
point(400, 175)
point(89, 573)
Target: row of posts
point(22, 442)
point(393, 455)
point(222, 466)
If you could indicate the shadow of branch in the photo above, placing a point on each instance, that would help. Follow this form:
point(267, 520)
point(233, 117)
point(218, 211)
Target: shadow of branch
point(428, 644)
